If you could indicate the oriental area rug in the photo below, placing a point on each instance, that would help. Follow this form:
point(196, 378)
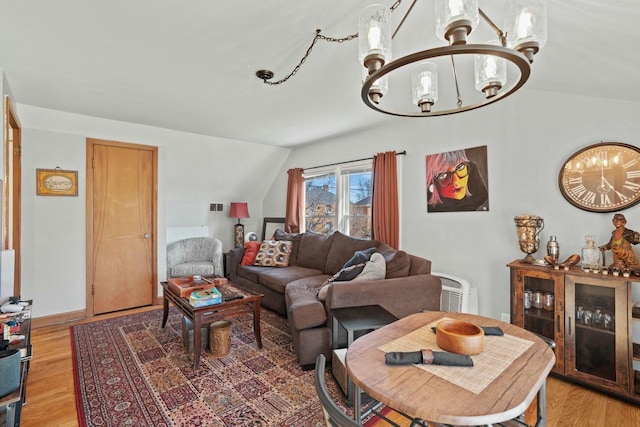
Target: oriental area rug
point(129, 371)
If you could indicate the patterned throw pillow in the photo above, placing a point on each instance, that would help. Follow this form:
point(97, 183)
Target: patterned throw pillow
point(322, 294)
point(274, 253)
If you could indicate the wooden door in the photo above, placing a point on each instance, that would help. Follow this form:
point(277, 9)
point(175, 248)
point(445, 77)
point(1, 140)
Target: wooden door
point(121, 226)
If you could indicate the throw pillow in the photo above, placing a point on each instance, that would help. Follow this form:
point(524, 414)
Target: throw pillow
point(250, 252)
point(322, 294)
point(349, 271)
point(273, 253)
point(374, 269)
point(342, 249)
point(295, 239)
point(359, 259)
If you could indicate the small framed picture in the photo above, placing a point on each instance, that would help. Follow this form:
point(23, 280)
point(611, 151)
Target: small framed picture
point(56, 182)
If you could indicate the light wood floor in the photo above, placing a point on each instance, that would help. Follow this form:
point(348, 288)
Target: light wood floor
point(51, 397)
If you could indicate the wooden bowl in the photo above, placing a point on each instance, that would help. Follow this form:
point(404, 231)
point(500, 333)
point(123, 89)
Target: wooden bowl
point(459, 337)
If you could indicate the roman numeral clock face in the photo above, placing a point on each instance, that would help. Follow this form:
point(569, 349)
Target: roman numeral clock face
point(603, 177)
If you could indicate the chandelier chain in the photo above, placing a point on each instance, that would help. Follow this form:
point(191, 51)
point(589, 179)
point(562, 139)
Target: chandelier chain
point(319, 36)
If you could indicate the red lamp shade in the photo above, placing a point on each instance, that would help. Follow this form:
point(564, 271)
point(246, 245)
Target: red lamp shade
point(238, 210)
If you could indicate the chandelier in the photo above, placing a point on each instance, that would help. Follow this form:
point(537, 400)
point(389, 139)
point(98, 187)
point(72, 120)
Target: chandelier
point(456, 77)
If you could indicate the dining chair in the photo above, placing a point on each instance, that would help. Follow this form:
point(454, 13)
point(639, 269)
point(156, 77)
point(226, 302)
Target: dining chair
point(333, 415)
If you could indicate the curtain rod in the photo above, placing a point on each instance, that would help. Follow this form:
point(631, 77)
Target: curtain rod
point(401, 153)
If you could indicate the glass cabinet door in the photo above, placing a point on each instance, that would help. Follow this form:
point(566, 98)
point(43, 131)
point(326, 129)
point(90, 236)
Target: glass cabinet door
point(537, 306)
point(597, 332)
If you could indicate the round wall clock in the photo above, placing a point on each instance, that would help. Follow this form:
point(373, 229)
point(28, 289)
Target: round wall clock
point(602, 177)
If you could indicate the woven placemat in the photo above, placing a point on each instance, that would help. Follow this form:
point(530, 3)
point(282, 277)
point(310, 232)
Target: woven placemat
point(499, 352)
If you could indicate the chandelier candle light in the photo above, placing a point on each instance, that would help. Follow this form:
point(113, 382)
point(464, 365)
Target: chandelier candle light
point(435, 92)
point(525, 22)
point(239, 211)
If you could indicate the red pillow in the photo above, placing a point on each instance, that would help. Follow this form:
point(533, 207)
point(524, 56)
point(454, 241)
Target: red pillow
point(250, 251)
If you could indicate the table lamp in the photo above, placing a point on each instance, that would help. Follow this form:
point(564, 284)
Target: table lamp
point(238, 210)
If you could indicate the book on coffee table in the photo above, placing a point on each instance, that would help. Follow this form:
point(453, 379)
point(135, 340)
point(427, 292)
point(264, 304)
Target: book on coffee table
point(205, 298)
point(184, 286)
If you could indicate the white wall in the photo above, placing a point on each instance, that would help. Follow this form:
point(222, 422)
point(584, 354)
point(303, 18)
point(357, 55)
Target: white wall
point(528, 138)
point(193, 171)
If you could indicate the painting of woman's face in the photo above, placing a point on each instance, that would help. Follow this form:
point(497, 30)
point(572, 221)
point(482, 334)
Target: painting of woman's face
point(453, 182)
point(457, 180)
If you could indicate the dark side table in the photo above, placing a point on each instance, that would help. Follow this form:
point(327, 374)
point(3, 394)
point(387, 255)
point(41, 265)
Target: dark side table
point(11, 404)
point(353, 320)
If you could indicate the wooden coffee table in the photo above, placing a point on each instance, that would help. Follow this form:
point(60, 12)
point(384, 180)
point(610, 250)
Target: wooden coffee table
point(249, 303)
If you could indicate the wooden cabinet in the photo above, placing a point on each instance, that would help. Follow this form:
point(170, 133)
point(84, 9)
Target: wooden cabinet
point(548, 323)
point(592, 322)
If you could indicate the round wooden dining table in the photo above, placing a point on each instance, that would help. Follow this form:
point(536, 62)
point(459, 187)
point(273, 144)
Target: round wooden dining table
point(506, 377)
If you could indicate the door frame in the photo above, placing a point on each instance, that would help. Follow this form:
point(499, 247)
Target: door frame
point(90, 262)
point(11, 237)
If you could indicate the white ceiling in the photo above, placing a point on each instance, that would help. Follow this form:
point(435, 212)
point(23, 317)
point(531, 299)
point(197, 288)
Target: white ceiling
point(190, 65)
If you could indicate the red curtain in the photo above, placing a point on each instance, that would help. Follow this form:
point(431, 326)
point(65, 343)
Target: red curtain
point(385, 217)
point(294, 217)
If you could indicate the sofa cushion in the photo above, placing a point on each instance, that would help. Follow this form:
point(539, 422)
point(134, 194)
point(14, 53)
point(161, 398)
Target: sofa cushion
point(200, 268)
point(419, 265)
point(374, 269)
point(398, 262)
point(250, 251)
point(278, 278)
point(251, 272)
point(304, 309)
point(274, 253)
point(343, 248)
point(314, 249)
point(295, 239)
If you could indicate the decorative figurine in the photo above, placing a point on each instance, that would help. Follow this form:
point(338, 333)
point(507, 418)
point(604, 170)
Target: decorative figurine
point(620, 245)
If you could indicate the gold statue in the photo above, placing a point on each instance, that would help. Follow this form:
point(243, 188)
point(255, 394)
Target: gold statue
point(620, 245)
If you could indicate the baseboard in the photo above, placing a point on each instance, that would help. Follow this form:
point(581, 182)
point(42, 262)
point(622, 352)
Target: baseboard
point(56, 319)
point(68, 317)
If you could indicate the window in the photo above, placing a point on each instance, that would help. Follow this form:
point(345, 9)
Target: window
point(339, 198)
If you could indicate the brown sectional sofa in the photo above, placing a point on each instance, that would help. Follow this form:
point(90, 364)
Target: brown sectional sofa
point(292, 291)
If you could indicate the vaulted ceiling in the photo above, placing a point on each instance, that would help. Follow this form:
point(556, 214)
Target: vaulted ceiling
point(190, 65)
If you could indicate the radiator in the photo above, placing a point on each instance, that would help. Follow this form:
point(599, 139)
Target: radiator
point(457, 294)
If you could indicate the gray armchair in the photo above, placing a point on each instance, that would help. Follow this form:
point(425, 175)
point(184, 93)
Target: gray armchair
point(200, 256)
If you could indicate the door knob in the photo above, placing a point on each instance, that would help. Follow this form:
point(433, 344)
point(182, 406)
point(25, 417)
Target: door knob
point(146, 236)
